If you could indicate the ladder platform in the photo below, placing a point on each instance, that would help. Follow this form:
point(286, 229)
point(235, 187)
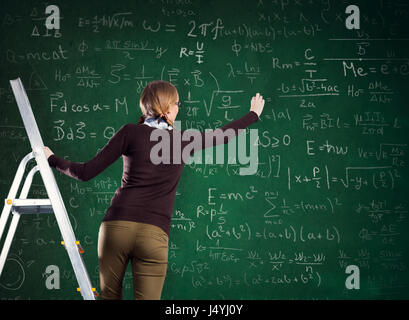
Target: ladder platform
point(31, 206)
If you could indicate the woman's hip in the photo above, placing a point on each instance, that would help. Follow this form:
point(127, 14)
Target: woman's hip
point(134, 239)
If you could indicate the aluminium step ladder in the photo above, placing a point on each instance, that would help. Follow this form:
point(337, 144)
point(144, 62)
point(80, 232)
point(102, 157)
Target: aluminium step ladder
point(54, 204)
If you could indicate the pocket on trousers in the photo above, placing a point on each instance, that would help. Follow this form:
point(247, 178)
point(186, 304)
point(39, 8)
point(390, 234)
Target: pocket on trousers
point(160, 235)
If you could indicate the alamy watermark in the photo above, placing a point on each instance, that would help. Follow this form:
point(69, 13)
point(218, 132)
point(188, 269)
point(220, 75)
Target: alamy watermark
point(53, 20)
point(192, 140)
point(52, 277)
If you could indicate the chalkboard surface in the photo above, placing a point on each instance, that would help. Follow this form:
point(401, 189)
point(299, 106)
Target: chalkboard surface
point(326, 214)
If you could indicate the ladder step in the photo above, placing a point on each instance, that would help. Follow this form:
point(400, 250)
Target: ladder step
point(30, 206)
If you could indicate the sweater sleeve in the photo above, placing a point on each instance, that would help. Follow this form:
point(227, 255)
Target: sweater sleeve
point(84, 171)
point(223, 135)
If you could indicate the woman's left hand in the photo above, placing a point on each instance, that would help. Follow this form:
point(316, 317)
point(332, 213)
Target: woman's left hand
point(48, 152)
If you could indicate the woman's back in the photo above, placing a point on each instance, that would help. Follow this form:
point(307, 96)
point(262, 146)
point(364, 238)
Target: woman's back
point(147, 190)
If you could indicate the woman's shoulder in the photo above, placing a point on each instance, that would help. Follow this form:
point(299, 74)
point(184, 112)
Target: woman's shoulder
point(132, 125)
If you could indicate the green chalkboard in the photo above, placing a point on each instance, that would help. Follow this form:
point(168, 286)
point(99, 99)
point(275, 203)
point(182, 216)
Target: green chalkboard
point(331, 187)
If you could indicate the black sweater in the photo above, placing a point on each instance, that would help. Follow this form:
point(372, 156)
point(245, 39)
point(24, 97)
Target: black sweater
point(147, 191)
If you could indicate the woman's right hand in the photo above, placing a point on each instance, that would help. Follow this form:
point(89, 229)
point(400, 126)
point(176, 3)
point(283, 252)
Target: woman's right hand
point(257, 104)
point(48, 152)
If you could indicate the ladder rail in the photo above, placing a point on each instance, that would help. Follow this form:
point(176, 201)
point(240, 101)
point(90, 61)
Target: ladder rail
point(65, 227)
point(16, 218)
point(13, 191)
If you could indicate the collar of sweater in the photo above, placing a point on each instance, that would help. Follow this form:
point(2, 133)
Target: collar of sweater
point(153, 122)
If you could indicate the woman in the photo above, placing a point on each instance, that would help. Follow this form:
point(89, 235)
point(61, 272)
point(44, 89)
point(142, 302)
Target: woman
point(137, 223)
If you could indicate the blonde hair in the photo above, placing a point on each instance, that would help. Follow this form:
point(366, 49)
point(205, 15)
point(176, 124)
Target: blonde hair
point(156, 99)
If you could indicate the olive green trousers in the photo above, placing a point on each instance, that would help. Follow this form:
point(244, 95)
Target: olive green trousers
point(145, 245)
